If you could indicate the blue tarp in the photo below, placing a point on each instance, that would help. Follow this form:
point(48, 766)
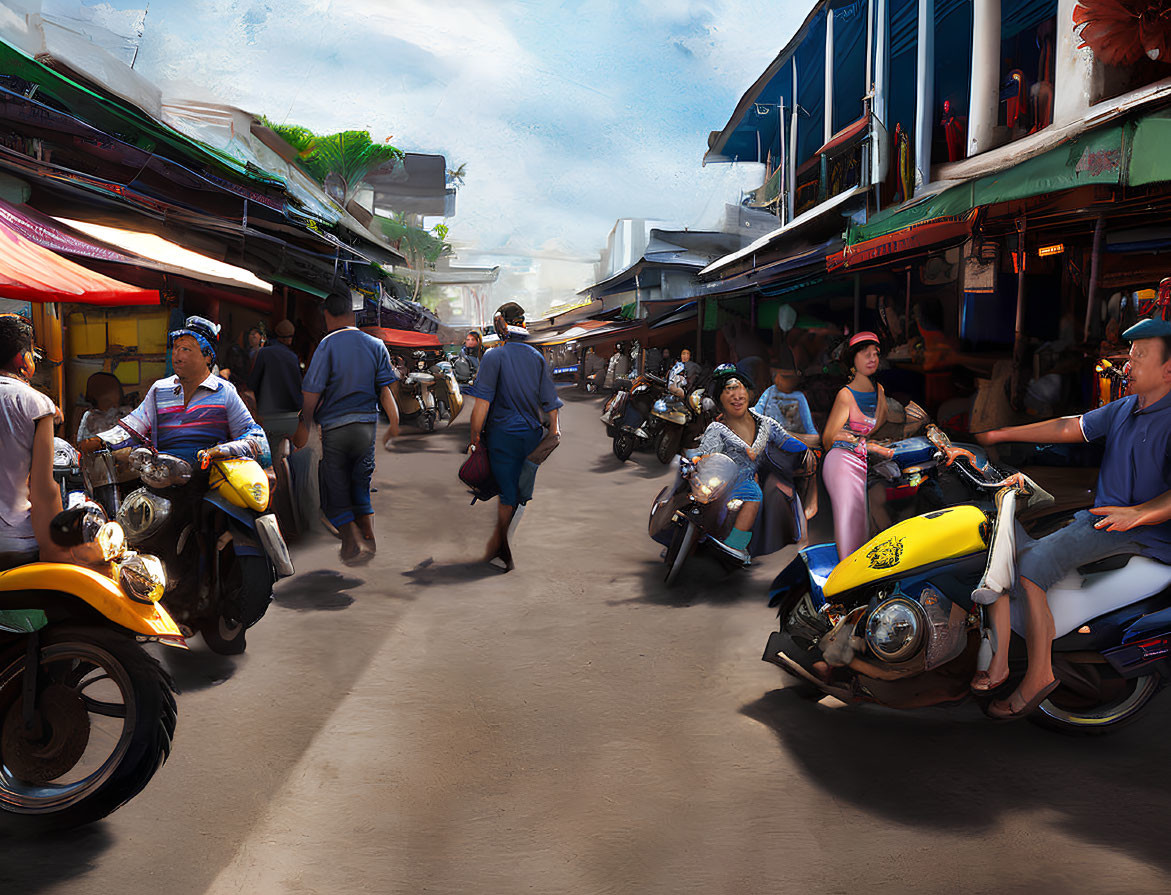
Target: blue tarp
point(849, 61)
point(811, 90)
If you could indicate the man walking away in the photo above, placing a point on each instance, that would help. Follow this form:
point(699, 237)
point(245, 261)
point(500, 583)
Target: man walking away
point(276, 381)
point(512, 390)
point(349, 376)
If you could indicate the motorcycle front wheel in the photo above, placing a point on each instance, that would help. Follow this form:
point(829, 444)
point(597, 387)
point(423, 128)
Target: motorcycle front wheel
point(1117, 703)
point(679, 550)
point(623, 445)
point(103, 724)
point(427, 421)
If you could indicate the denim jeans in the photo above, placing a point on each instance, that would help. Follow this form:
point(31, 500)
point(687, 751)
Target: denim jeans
point(1045, 561)
point(347, 463)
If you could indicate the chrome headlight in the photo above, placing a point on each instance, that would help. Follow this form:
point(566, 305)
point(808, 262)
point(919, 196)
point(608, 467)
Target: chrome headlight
point(143, 513)
point(65, 455)
point(712, 477)
point(695, 401)
point(111, 541)
point(142, 577)
point(160, 470)
point(895, 629)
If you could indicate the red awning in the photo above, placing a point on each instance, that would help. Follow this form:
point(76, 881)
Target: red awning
point(29, 272)
point(403, 338)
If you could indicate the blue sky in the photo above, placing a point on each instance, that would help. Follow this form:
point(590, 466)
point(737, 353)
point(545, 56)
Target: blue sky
point(568, 115)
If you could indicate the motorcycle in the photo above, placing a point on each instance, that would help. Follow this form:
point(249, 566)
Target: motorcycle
point(895, 623)
point(694, 510)
point(221, 545)
point(86, 715)
point(426, 392)
point(681, 422)
point(627, 415)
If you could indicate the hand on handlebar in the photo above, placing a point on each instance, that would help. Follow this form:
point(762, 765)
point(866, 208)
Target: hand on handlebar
point(205, 457)
point(954, 453)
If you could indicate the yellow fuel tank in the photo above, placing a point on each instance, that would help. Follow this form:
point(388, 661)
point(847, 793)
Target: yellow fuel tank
point(902, 548)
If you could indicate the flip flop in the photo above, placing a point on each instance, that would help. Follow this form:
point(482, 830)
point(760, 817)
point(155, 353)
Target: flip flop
point(1007, 714)
point(982, 682)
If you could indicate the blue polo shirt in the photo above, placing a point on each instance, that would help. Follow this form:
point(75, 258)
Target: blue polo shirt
point(349, 369)
point(1136, 464)
point(515, 379)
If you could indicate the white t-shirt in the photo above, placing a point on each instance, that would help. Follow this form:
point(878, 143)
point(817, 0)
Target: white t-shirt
point(21, 406)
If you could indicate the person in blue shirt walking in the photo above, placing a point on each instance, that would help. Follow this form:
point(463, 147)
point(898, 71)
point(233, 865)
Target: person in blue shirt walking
point(349, 376)
point(1135, 474)
point(784, 402)
point(513, 390)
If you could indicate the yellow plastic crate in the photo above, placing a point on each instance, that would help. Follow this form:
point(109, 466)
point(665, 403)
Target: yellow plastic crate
point(87, 333)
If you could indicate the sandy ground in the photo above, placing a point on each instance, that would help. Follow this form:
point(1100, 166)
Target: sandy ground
point(426, 724)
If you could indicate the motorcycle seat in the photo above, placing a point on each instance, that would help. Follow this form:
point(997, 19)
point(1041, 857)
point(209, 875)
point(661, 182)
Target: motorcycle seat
point(1109, 564)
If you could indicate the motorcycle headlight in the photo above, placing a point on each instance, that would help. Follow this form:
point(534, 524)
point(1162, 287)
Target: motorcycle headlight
point(111, 541)
point(695, 401)
point(713, 477)
point(142, 514)
point(142, 577)
point(160, 470)
point(895, 629)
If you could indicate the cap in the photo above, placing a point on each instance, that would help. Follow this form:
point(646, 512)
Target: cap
point(511, 312)
point(284, 330)
point(1151, 328)
point(864, 336)
point(723, 375)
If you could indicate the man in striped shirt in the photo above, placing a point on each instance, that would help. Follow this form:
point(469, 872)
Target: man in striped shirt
point(193, 413)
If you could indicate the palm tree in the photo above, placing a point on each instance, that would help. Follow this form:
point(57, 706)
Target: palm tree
point(343, 159)
point(422, 248)
point(455, 176)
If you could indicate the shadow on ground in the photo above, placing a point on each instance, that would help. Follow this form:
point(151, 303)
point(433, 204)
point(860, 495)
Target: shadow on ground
point(954, 770)
point(198, 668)
point(321, 590)
point(704, 580)
point(430, 572)
point(40, 864)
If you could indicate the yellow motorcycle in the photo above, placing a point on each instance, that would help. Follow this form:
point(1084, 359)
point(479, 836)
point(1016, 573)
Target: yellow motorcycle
point(86, 715)
point(222, 547)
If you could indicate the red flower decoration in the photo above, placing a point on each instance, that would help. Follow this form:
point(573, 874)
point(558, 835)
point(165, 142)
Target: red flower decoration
point(1121, 32)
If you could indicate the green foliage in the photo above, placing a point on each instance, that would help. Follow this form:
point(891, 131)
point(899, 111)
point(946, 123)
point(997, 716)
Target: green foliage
point(421, 248)
point(348, 155)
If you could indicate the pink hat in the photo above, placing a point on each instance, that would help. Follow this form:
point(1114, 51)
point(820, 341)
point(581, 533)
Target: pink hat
point(864, 336)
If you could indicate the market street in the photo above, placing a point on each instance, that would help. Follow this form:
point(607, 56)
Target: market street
point(425, 724)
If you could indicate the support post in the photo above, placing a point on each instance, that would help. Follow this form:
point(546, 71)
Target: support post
point(1092, 291)
point(829, 76)
point(925, 102)
point(984, 93)
point(857, 302)
point(1017, 389)
point(792, 197)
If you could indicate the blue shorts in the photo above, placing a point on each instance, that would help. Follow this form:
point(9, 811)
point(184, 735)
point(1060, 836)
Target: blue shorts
point(506, 455)
point(747, 489)
point(1047, 560)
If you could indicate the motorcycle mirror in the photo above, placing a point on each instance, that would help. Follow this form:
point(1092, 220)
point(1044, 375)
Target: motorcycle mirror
point(77, 526)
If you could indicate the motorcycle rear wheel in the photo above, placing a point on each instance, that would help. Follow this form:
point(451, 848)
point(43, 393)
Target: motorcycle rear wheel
point(623, 446)
point(105, 689)
point(667, 443)
point(427, 421)
point(1066, 713)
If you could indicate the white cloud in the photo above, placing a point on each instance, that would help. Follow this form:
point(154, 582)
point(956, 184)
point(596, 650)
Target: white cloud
point(567, 116)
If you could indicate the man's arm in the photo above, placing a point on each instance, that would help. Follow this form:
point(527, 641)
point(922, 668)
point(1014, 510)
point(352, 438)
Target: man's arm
point(479, 417)
point(308, 407)
point(43, 493)
point(387, 399)
point(1125, 518)
point(555, 422)
point(1066, 430)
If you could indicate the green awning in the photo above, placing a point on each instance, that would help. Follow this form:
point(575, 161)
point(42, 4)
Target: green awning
point(1092, 158)
point(1150, 160)
point(294, 283)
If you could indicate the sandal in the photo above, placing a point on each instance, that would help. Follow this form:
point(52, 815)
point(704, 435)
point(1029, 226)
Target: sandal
point(982, 682)
point(1002, 709)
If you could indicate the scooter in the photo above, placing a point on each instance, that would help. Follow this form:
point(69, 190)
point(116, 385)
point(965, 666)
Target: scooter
point(86, 714)
point(627, 415)
point(221, 544)
point(415, 395)
point(694, 511)
point(681, 422)
point(896, 622)
point(449, 399)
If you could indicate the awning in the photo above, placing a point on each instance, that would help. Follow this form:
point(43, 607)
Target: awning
point(172, 257)
point(29, 272)
point(403, 338)
point(567, 334)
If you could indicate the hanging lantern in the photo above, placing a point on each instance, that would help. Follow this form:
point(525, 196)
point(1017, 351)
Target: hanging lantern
point(1121, 32)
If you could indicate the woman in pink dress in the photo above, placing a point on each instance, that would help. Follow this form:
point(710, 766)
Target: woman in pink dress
point(858, 410)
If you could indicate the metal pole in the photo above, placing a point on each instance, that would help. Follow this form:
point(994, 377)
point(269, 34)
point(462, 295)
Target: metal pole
point(925, 104)
point(1018, 345)
point(828, 129)
point(857, 302)
point(1092, 292)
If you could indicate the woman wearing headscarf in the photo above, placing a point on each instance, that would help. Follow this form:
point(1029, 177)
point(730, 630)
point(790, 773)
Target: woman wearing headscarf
point(742, 435)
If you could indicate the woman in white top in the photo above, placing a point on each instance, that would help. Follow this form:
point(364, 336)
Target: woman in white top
point(29, 498)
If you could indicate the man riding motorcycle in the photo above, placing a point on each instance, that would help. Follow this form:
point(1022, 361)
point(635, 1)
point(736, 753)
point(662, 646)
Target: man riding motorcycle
point(199, 417)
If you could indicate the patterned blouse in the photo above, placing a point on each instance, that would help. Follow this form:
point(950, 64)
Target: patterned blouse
point(719, 439)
